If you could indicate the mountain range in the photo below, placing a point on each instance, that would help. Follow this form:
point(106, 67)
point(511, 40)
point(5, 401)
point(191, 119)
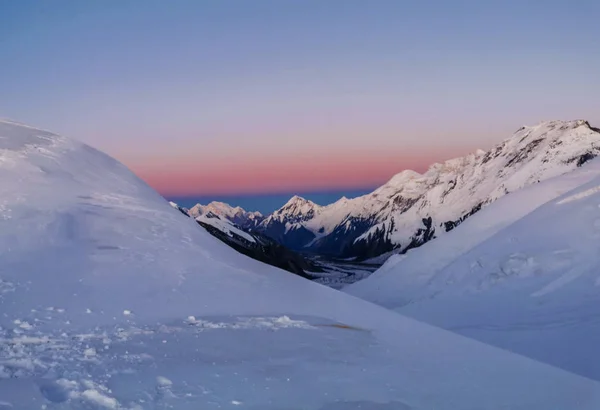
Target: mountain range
point(522, 274)
point(218, 220)
point(412, 208)
point(236, 215)
point(113, 299)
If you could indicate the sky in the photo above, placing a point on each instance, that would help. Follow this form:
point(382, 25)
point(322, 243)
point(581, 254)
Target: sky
point(228, 97)
point(266, 203)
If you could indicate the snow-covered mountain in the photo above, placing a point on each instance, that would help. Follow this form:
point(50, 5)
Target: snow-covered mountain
point(411, 208)
point(254, 244)
point(112, 299)
point(237, 215)
point(226, 226)
point(522, 274)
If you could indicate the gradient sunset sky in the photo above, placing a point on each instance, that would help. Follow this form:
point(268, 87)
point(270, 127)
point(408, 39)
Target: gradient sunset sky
point(233, 97)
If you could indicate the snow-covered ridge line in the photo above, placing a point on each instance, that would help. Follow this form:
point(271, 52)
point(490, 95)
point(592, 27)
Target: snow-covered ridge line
point(522, 274)
point(412, 208)
point(20, 124)
point(236, 215)
point(253, 244)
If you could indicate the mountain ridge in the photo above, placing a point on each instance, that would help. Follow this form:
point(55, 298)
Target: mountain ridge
point(112, 299)
point(521, 275)
point(412, 208)
point(237, 215)
point(249, 243)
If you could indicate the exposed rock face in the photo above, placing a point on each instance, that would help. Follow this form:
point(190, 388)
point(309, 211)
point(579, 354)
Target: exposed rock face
point(253, 244)
point(412, 209)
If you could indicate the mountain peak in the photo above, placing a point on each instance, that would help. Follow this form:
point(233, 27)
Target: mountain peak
point(237, 215)
point(412, 208)
point(294, 210)
point(297, 200)
point(399, 180)
point(560, 125)
point(217, 208)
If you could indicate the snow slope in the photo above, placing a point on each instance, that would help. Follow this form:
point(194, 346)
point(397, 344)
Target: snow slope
point(236, 215)
point(112, 299)
point(225, 226)
point(411, 208)
point(522, 274)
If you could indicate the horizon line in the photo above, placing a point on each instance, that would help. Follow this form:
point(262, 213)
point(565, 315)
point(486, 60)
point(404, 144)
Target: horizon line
point(270, 193)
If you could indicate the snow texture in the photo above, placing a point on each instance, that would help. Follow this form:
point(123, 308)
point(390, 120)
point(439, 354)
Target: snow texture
point(83, 241)
point(522, 274)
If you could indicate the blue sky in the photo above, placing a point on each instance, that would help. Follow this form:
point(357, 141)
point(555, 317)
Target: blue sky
point(267, 203)
point(197, 96)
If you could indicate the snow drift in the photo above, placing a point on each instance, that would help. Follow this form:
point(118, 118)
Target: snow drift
point(236, 215)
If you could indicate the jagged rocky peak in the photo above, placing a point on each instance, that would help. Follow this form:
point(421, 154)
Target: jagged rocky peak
point(549, 142)
point(219, 208)
point(551, 130)
point(298, 200)
point(297, 206)
point(237, 215)
point(406, 181)
point(392, 216)
point(560, 125)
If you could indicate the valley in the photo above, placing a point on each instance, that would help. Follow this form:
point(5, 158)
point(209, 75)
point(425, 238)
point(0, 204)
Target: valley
point(352, 237)
point(299, 205)
point(130, 304)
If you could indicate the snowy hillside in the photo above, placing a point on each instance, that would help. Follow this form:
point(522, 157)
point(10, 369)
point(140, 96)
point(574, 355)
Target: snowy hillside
point(411, 208)
point(237, 215)
point(225, 226)
point(521, 278)
point(255, 245)
point(112, 299)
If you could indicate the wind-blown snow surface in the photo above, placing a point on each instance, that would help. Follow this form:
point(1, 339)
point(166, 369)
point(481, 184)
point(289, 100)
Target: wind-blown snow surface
point(518, 277)
point(110, 298)
point(411, 208)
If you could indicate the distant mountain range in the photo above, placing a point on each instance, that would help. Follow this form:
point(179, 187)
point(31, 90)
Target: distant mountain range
point(237, 215)
point(412, 208)
point(217, 218)
point(522, 274)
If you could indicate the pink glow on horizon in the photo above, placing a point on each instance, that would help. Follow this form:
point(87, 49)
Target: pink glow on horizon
point(244, 176)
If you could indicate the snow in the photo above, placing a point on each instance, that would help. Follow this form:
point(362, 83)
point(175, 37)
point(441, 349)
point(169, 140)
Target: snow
point(448, 191)
point(522, 274)
point(225, 226)
point(579, 195)
point(236, 215)
point(208, 327)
